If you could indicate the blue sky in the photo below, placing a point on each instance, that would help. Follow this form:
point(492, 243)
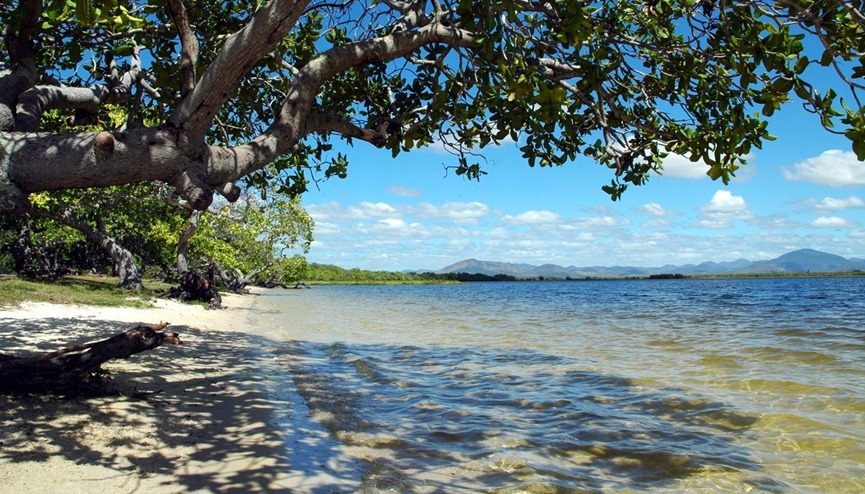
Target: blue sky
point(804, 190)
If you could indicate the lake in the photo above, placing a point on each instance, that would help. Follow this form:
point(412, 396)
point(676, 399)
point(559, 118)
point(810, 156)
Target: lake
point(732, 385)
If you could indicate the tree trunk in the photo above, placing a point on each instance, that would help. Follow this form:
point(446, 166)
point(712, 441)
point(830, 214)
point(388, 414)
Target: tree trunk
point(183, 243)
point(124, 264)
point(69, 368)
point(237, 281)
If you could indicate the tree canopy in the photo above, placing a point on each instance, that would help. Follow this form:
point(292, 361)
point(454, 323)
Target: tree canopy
point(251, 241)
point(254, 93)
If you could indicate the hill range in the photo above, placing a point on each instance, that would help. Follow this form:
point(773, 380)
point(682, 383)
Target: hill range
point(800, 261)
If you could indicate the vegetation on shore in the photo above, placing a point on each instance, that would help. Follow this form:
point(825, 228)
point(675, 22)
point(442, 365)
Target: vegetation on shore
point(104, 290)
point(329, 274)
point(78, 290)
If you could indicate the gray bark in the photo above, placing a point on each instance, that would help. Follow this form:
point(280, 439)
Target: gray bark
point(183, 243)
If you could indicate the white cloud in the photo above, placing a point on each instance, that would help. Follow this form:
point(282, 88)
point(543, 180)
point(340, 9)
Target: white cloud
point(654, 209)
point(532, 218)
point(598, 221)
point(323, 228)
point(776, 221)
point(658, 223)
point(723, 208)
point(392, 224)
point(833, 168)
point(368, 210)
point(468, 212)
point(678, 166)
point(834, 204)
point(333, 211)
point(714, 224)
point(832, 222)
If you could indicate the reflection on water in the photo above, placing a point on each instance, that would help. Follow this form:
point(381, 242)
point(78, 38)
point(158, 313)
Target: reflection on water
point(680, 385)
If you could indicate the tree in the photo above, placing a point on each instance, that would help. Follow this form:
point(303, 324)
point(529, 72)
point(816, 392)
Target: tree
point(249, 240)
point(113, 218)
point(94, 229)
point(257, 94)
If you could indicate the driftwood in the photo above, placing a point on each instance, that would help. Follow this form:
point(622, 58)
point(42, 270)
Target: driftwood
point(69, 368)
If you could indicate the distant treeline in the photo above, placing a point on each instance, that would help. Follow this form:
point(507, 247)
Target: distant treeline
point(328, 273)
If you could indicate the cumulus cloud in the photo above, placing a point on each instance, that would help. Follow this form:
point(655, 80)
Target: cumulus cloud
point(461, 211)
point(723, 208)
point(832, 222)
point(598, 221)
point(532, 218)
point(776, 221)
point(333, 211)
point(654, 209)
point(835, 204)
point(658, 223)
point(833, 168)
point(324, 228)
point(678, 166)
point(392, 224)
point(714, 224)
point(368, 210)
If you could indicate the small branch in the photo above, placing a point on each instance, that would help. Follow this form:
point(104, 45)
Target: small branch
point(344, 126)
point(189, 46)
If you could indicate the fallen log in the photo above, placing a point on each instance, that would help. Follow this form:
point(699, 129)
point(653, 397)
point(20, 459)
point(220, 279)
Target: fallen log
point(71, 367)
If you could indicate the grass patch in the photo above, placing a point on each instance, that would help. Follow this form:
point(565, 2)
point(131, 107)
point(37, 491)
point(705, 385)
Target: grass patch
point(78, 290)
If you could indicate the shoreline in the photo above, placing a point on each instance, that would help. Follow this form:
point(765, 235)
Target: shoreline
point(217, 413)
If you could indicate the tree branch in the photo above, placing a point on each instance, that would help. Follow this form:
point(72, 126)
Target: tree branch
point(239, 54)
point(35, 101)
point(290, 125)
point(124, 262)
point(345, 127)
point(19, 42)
point(188, 43)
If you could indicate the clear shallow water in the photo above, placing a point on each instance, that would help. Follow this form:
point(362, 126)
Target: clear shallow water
point(664, 385)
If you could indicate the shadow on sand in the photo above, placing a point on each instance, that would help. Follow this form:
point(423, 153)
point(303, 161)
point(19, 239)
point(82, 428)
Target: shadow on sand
point(205, 416)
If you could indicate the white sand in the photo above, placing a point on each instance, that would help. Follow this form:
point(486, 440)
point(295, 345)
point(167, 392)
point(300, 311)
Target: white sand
point(216, 414)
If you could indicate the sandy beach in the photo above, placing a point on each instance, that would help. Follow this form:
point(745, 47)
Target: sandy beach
point(212, 415)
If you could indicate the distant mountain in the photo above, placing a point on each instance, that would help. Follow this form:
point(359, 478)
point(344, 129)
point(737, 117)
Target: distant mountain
point(800, 261)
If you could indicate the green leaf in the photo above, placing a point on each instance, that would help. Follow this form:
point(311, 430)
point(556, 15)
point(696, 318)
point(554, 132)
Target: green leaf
point(85, 12)
point(859, 149)
point(801, 65)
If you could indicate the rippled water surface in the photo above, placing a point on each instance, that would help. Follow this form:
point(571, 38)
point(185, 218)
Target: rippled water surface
point(613, 386)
